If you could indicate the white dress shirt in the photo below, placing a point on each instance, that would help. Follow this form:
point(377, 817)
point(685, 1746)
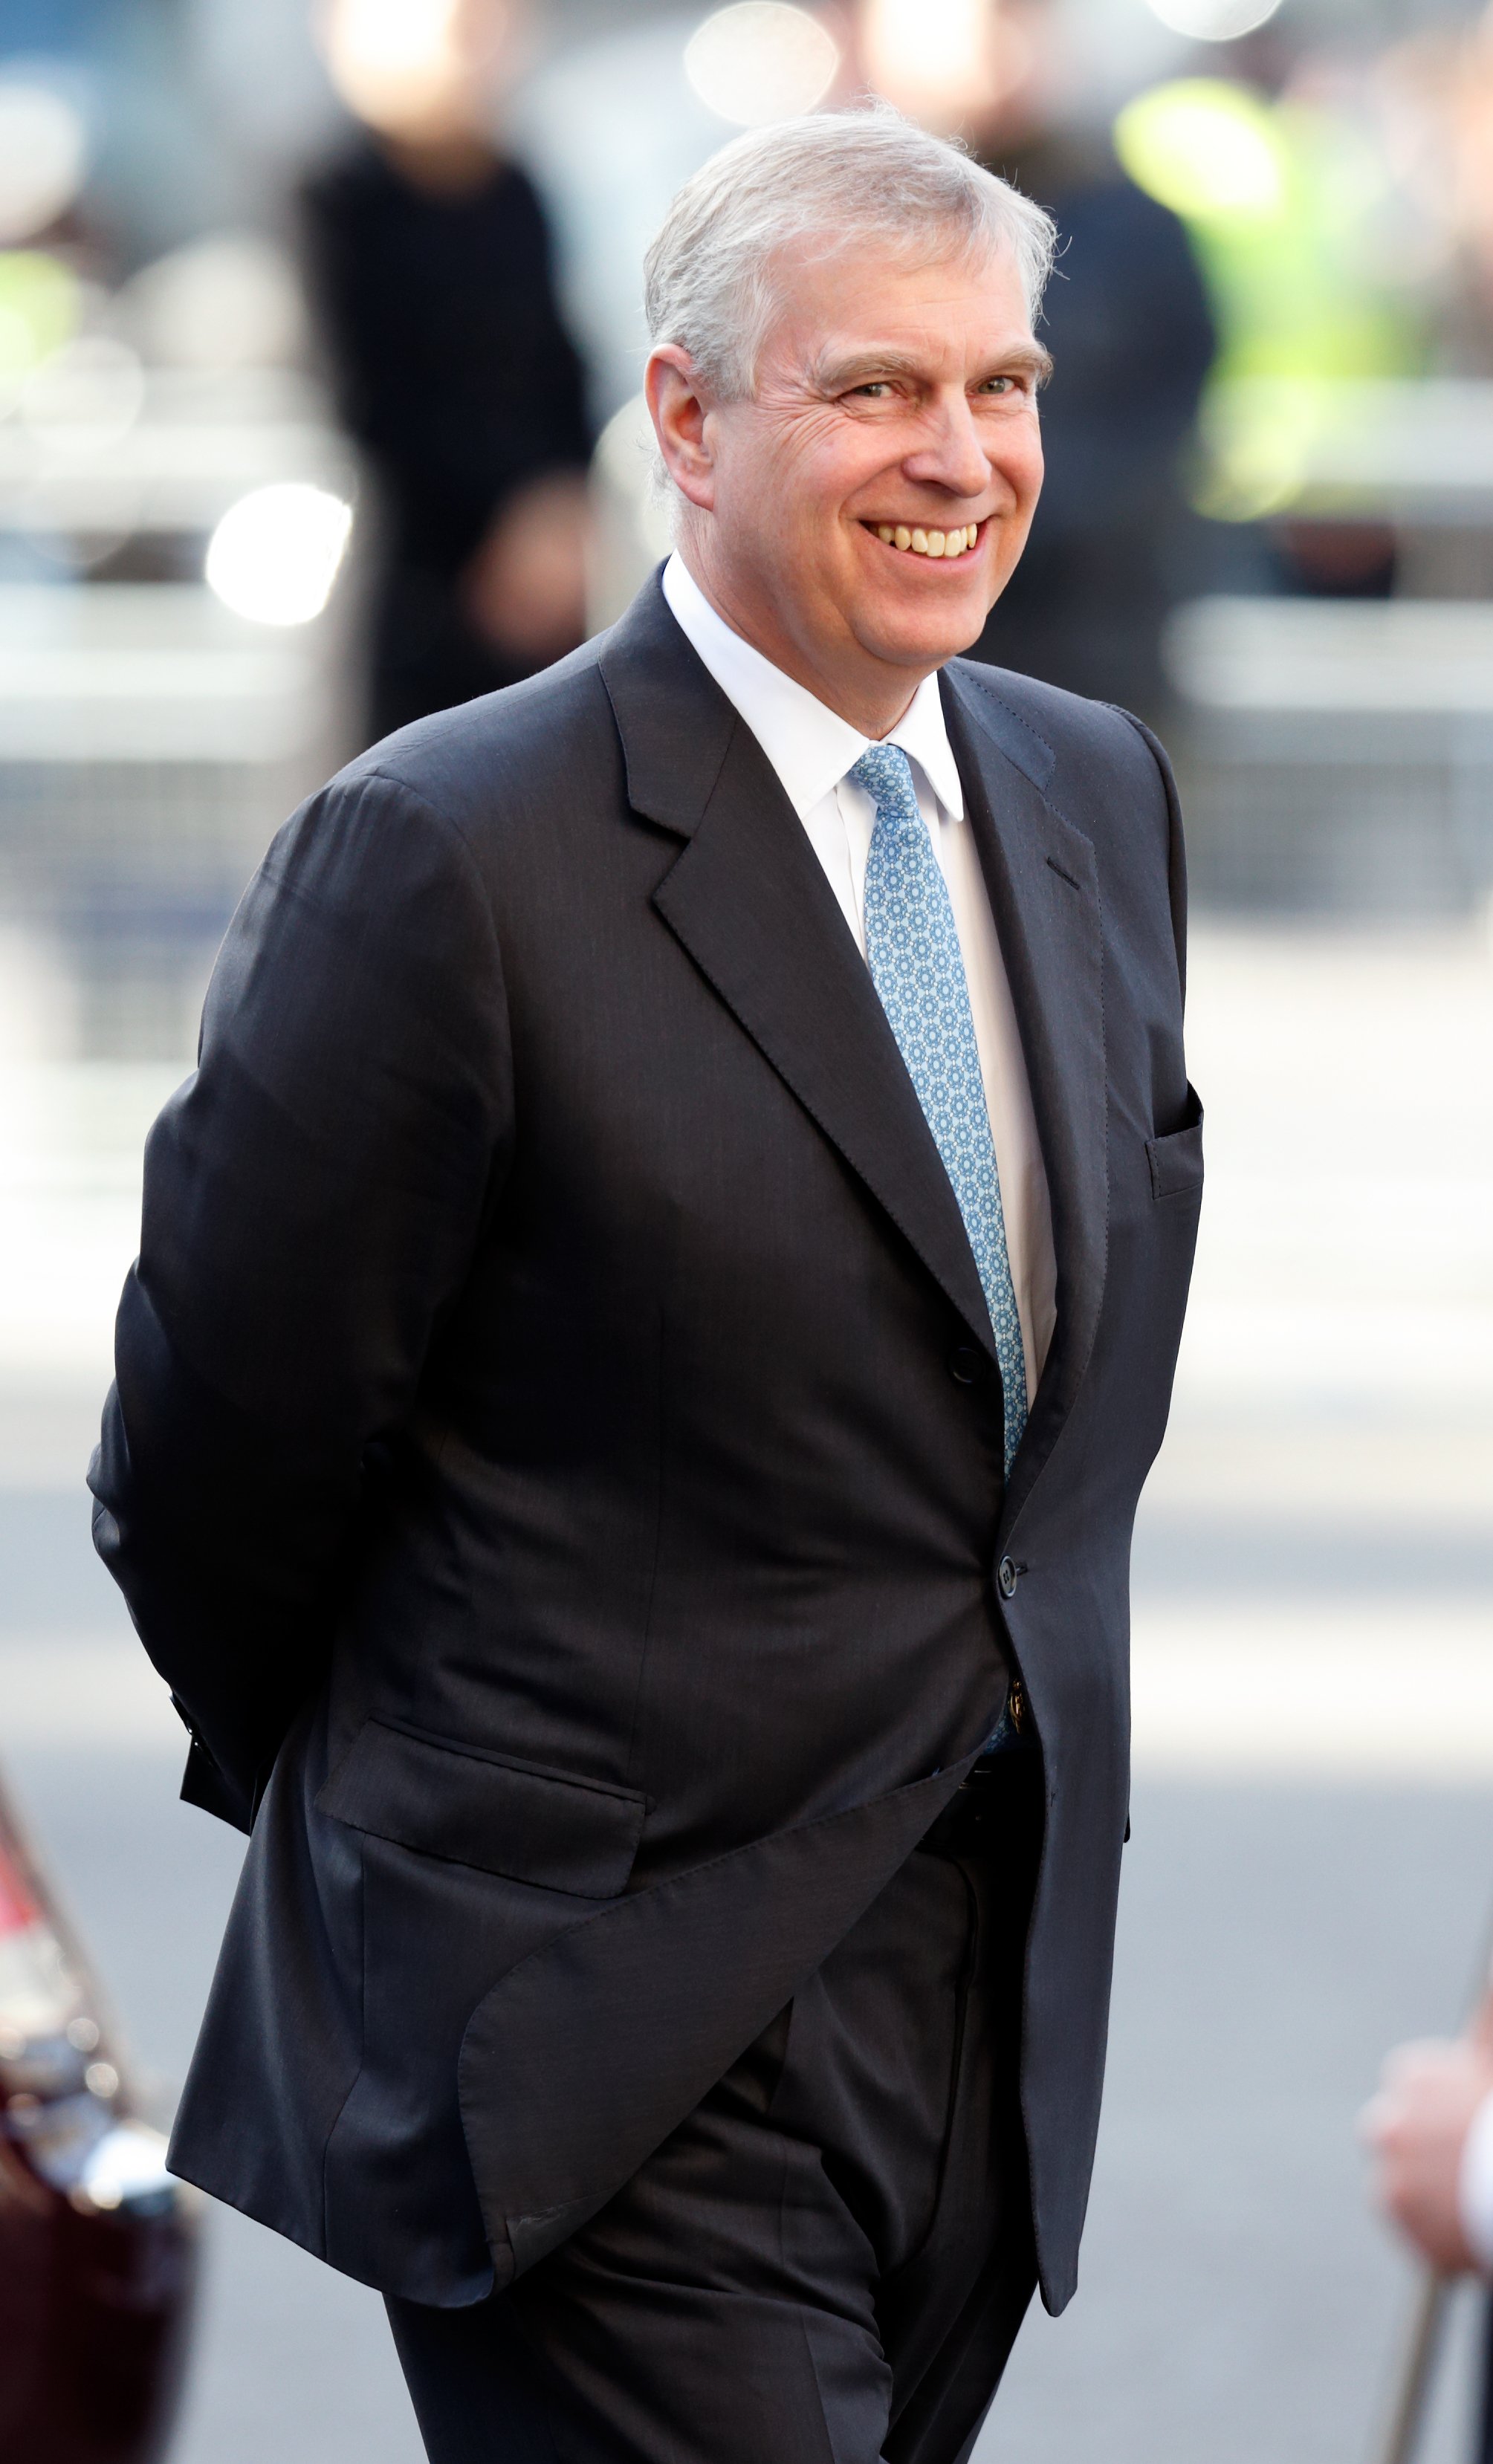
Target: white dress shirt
point(811, 748)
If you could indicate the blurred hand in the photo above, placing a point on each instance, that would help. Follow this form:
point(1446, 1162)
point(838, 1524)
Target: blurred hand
point(1417, 2127)
point(524, 591)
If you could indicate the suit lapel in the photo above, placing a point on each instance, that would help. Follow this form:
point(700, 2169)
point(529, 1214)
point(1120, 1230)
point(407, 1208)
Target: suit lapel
point(1042, 881)
point(748, 899)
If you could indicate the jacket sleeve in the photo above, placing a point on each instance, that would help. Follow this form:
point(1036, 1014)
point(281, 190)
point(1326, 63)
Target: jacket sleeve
point(313, 1198)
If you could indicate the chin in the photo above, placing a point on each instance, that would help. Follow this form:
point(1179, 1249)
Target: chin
point(923, 637)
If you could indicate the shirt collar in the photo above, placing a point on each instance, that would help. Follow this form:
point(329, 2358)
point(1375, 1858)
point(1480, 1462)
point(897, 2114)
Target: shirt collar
point(809, 746)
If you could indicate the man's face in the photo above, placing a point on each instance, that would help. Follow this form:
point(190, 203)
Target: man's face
point(895, 413)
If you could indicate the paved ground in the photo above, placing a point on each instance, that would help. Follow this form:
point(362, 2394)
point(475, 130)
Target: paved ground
point(1313, 1844)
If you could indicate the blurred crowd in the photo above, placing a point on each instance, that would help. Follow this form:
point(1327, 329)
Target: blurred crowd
point(427, 205)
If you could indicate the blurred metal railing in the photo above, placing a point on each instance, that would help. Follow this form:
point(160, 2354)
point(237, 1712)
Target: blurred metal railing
point(1339, 752)
point(151, 738)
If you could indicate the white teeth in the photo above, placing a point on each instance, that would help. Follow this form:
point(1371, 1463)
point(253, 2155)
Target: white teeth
point(928, 542)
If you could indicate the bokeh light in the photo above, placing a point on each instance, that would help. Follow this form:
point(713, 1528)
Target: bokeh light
point(760, 62)
point(43, 156)
point(40, 304)
point(936, 59)
point(228, 301)
point(392, 60)
point(1206, 148)
point(276, 553)
point(1213, 21)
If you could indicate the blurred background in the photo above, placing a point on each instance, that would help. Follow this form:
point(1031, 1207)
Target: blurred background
point(319, 352)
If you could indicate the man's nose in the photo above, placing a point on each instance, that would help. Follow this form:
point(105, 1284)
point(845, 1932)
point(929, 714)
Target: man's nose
point(953, 455)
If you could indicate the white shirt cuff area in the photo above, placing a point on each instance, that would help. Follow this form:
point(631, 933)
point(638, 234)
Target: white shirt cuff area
point(1475, 2185)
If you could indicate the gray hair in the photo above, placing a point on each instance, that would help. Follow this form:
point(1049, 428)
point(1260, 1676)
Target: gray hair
point(838, 179)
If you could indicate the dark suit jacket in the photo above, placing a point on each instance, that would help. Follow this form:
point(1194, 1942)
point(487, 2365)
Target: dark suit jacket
point(556, 1457)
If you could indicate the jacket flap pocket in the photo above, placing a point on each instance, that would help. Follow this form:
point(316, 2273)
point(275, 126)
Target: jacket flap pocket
point(1177, 1161)
point(486, 1810)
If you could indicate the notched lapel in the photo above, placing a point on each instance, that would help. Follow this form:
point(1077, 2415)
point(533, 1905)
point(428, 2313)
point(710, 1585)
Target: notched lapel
point(1042, 880)
point(675, 721)
point(748, 899)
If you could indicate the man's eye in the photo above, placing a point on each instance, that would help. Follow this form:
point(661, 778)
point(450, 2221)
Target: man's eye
point(878, 389)
point(998, 385)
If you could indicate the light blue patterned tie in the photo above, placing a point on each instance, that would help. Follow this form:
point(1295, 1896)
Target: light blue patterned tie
point(912, 950)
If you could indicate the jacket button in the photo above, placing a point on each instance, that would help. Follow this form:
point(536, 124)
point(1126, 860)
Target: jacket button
point(966, 1366)
point(1006, 1575)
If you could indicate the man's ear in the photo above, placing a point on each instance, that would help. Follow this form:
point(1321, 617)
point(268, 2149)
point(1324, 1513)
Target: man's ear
point(679, 408)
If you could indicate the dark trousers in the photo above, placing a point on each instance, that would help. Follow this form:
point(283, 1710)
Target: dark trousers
point(829, 2261)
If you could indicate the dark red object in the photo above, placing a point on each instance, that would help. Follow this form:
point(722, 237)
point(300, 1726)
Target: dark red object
point(97, 2243)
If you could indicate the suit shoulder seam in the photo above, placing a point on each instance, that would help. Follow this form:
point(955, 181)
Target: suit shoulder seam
point(451, 827)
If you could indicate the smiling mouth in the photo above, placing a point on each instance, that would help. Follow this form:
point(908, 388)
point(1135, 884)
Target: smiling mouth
point(924, 543)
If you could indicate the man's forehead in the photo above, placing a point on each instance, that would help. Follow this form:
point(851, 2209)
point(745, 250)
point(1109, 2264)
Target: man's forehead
point(859, 304)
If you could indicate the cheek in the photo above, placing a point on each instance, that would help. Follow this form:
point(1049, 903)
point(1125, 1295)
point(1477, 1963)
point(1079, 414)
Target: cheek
point(823, 466)
point(778, 491)
point(1031, 468)
point(1017, 455)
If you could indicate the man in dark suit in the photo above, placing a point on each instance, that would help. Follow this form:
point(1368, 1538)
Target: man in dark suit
point(652, 1317)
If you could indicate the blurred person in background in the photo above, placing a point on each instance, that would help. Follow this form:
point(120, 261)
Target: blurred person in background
point(429, 263)
point(1127, 323)
point(653, 1314)
point(1430, 2131)
point(1315, 264)
point(1435, 98)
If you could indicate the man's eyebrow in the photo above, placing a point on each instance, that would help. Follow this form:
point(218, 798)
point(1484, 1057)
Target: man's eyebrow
point(833, 376)
point(1030, 358)
point(837, 375)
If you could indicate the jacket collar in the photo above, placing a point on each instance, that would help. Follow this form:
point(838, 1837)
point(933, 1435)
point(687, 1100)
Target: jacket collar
point(809, 746)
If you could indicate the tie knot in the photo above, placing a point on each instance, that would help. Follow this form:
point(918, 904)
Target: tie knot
point(885, 774)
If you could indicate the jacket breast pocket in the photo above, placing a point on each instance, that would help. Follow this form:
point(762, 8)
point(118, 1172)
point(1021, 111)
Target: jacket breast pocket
point(474, 1808)
point(1177, 1160)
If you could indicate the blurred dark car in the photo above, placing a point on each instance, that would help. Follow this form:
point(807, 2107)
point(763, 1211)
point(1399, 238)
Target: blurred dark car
point(97, 2243)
